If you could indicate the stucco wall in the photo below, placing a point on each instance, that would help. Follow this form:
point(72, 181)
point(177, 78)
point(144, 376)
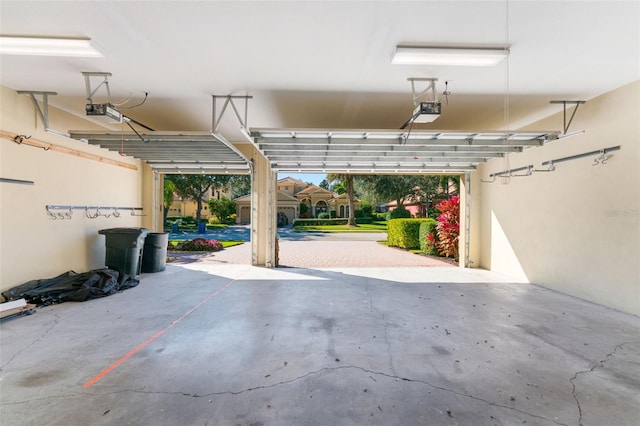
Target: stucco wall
point(575, 230)
point(31, 244)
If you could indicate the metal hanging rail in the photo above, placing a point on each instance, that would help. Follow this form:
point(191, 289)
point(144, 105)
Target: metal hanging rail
point(509, 173)
point(91, 212)
point(602, 156)
point(17, 181)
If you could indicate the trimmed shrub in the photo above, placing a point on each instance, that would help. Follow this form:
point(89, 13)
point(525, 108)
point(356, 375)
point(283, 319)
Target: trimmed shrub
point(333, 214)
point(198, 244)
point(324, 215)
point(404, 233)
point(427, 236)
point(399, 213)
point(366, 210)
point(364, 220)
point(304, 210)
point(318, 222)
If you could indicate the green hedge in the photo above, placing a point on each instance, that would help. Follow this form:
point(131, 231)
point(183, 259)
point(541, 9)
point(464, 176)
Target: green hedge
point(327, 222)
point(399, 213)
point(318, 222)
point(405, 233)
point(427, 227)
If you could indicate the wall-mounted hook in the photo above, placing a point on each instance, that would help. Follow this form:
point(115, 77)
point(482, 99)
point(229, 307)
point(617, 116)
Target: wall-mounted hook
point(20, 138)
point(116, 213)
point(92, 216)
point(69, 213)
point(551, 168)
point(601, 158)
point(51, 214)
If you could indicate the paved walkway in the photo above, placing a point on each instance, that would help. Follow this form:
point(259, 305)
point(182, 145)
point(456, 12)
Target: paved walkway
point(322, 252)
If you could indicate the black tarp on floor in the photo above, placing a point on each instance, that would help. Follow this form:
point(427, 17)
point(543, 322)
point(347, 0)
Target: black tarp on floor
point(72, 286)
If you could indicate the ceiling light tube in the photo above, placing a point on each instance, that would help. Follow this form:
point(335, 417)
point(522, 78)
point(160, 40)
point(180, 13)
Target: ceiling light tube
point(454, 56)
point(43, 46)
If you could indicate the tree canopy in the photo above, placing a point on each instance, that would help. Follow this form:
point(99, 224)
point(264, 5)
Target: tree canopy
point(194, 187)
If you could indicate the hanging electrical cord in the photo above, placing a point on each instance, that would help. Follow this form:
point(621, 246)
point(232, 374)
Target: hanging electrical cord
point(146, 95)
point(446, 93)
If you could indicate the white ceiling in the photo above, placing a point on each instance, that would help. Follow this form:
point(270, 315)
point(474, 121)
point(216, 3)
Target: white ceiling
point(326, 64)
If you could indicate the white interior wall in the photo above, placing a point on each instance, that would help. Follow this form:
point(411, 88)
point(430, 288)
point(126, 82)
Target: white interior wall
point(575, 230)
point(31, 244)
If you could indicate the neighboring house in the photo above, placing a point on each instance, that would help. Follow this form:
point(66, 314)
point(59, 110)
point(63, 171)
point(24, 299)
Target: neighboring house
point(292, 192)
point(419, 207)
point(185, 207)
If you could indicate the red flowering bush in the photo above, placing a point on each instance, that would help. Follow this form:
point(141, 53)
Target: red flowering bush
point(448, 228)
point(432, 243)
point(200, 244)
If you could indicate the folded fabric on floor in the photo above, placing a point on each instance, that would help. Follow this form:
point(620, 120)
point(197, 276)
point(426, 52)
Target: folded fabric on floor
point(71, 286)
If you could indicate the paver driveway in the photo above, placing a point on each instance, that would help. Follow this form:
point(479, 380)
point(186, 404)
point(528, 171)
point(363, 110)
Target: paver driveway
point(323, 251)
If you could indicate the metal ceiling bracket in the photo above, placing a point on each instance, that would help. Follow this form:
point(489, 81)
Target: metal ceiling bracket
point(431, 88)
point(44, 111)
point(105, 82)
point(564, 108)
point(228, 100)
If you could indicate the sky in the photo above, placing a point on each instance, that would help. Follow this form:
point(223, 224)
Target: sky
point(314, 178)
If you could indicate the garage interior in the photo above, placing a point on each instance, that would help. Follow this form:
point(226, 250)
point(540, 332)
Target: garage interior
point(538, 325)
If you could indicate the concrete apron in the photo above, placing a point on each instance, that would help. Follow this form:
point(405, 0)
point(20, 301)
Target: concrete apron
point(236, 345)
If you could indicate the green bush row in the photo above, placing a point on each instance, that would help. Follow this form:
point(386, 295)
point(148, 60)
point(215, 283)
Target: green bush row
point(318, 222)
point(405, 233)
point(327, 222)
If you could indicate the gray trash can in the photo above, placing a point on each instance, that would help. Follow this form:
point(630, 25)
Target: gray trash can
point(154, 255)
point(124, 249)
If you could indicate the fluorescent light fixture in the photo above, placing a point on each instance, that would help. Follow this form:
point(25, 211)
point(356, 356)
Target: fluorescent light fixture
point(44, 46)
point(455, 56)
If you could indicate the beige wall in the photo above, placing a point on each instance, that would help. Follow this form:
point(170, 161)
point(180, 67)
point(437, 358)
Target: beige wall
point(575, 230)
point(31, 244)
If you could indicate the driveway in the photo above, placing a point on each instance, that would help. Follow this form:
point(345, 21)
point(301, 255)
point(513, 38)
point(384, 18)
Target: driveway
point(317, 250)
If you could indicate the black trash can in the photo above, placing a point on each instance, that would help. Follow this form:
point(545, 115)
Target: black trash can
point(124, 249)
point(154, 256)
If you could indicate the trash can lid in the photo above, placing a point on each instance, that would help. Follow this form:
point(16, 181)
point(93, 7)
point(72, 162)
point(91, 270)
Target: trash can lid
point(123, 231)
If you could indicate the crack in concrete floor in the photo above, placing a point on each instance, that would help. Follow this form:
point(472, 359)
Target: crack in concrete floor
point(386, 328)
point(591, 370)
point(36, 340)
point(293, 380)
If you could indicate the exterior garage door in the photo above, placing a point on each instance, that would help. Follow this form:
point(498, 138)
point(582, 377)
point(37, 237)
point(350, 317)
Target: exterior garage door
point(289, 212)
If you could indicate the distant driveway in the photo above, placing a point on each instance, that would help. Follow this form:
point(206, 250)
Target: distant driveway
point(319, 250)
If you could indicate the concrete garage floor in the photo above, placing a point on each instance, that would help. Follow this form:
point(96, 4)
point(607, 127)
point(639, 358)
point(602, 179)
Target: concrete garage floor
point(211, 344)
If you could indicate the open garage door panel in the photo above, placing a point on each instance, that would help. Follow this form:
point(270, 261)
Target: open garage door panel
point(388, 151)
point(173, 152)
